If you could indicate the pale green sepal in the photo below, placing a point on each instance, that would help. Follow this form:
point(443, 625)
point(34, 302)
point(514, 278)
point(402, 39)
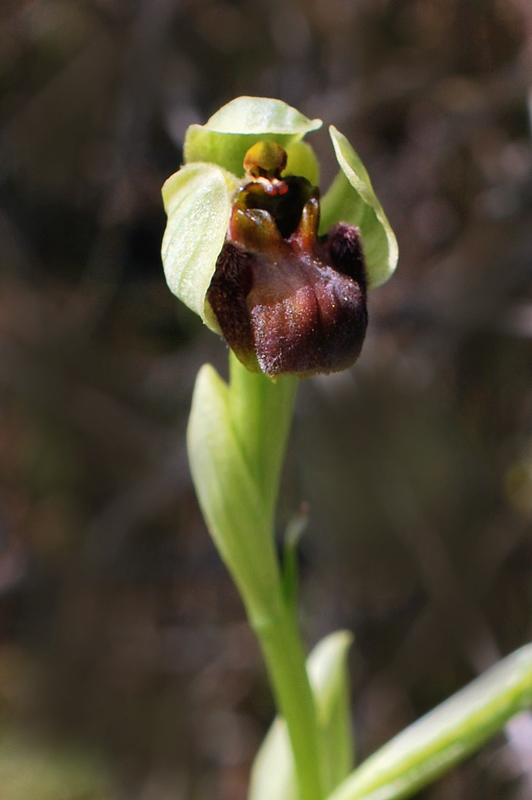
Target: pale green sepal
point(197, 200)
point(272, 774)
point(351, 199)
point(445, 736)
point(303, 162)
point(229, 496)
point(261, 115)
point(229, 133)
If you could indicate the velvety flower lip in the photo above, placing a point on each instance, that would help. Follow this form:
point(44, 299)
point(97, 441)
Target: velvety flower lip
point(246, 226)
point(287, 300)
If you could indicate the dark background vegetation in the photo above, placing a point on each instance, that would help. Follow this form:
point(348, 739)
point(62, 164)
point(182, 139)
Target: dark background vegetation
point(126, 668)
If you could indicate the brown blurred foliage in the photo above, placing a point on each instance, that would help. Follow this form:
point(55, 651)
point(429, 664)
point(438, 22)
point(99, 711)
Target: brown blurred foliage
point(122, 640)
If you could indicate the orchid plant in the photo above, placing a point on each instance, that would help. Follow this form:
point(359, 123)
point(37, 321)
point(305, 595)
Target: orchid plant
point(283, 276)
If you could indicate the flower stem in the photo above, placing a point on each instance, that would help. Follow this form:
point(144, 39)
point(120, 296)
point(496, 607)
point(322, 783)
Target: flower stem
point(236, 442)
point(261, 414)
point(285, 661)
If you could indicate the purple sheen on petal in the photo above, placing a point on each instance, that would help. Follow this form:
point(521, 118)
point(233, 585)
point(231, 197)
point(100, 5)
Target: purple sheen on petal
point(306, 318)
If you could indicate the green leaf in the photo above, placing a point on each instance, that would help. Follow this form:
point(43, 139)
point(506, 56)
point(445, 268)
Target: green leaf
point(329, 678)
point(197, 200)
point(229, 133)
point(229, 496)
point(290, 574)
point(351, 199)
point(273, 774)
point(445, 736)
point(273, 770)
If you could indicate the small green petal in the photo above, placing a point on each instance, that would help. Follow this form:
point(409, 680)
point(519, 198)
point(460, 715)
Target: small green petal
point(228, 134)
point(302, 162)
point(197, 200)
point(351, 199)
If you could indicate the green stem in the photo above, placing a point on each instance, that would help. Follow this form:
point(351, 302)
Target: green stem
point(261, 414)
point(285, 661)
point(236, 442)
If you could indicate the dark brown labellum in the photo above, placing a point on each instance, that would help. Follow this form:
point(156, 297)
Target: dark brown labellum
point(287, 300)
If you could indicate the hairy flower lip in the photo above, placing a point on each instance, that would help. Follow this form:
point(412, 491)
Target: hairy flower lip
point(293, 303)
point(306, 318)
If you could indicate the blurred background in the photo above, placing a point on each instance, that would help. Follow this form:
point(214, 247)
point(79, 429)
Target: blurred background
point(127, 671)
